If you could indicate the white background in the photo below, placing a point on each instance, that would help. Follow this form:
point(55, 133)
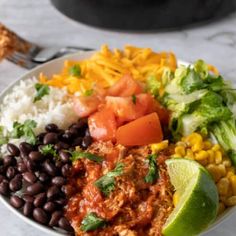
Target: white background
point(39, 22)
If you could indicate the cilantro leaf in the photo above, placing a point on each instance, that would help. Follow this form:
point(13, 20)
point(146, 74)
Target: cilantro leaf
point(75, 70)
point(134, 99)
point(25, 130)
point(88, 92)
point(91, 222)
point(3, 139)
point(106, 183)
point(48, 150)
point(92, 157)
point(42, 90)
point(152, 174)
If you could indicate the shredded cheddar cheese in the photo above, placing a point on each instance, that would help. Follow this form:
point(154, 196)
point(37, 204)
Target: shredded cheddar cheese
point(105, 67)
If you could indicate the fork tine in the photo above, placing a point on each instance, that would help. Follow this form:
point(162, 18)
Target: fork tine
point(23, 63)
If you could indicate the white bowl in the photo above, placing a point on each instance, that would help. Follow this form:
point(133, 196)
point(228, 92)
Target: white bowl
point(49, 69)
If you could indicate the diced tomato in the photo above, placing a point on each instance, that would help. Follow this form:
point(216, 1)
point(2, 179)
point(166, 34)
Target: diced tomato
point(102, 125)
point(125, 87)
point(130, 108)
point(143, 131)
point(162, 112)
point(85, 106)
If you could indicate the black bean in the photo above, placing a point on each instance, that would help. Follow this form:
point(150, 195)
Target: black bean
point(50, 207)
point(29, 177)
point(87, 132)
point(64, 224)
point(2, 178)
point(51, 128)
point(61, 201)
point(16, 201)
point(28, 198)
point(9, 160)
point(13, 149)
point(56, 215)
point(82, 122)
point(43, 177)
point(59, 164)
point(50, 138)
point(21, 167)
point(50, 168)
point(40, 137)
point(15, 184)
point(58, 181)
point(61, 145)
point(28, 208)
point(53, 192)
point(25, 148)
point(77, 142)
point(67, 190)
point(74, 131)
point(31, 166)
point(34, 188)
point(67, 137)
point(65, 170)
point(87, 140)
point(2, 170)
point(40, 199)
point(4, 188)
point(64, 156)
point(36, 156)
point(11, 172)
point(40, 215)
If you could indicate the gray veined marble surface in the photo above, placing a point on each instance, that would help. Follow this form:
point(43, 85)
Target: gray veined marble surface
point(39, 22)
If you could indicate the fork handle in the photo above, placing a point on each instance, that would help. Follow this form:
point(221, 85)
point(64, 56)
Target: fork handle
point(10, 42)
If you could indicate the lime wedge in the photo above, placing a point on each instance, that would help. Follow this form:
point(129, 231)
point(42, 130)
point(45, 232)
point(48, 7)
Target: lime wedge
point(198, 201)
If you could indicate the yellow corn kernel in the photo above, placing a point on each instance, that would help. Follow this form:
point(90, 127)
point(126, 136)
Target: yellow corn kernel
point(230, 169)
point(157, 147)
point(198, 146)
point(207, 145)
point(203, 162)
point(221, 208)
point(227, 163)
point(211, 158)
point(222, 170)
point(180, 151)
point(214, 171)
point(194, 138)
point(229, 174)
point(218, 157)
point(202, 155)
point(176, 198)
point(231, 201)
point(216, 147)
point(230, 192)
point(180, 143)
point(189, 154)
point(233, 183)
point(223, 186)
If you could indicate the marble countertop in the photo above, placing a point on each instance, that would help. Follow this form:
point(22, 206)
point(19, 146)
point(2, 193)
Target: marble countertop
point(39, 22)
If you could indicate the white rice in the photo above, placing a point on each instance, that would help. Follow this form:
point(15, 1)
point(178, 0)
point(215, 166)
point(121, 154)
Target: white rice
point(54, 108)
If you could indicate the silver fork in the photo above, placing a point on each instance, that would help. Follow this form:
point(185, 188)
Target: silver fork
point(30, 55)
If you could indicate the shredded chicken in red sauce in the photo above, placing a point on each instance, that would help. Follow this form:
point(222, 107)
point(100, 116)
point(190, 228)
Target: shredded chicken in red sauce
point(134, 207)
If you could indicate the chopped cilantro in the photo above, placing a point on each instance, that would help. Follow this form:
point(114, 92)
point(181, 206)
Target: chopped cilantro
point(88, 92)
point(134, 99)
point(48, 150)
point(92, 157)
point(106, 183)
point(91, 222)
point(41, 90)
point(25, 130)
point(75, 70)
point(152, 174)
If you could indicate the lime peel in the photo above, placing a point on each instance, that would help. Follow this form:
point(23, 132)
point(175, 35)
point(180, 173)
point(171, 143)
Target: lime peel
point(198, 202)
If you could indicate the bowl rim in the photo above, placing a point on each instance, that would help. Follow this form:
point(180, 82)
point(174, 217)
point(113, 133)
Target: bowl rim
point(34, 73)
